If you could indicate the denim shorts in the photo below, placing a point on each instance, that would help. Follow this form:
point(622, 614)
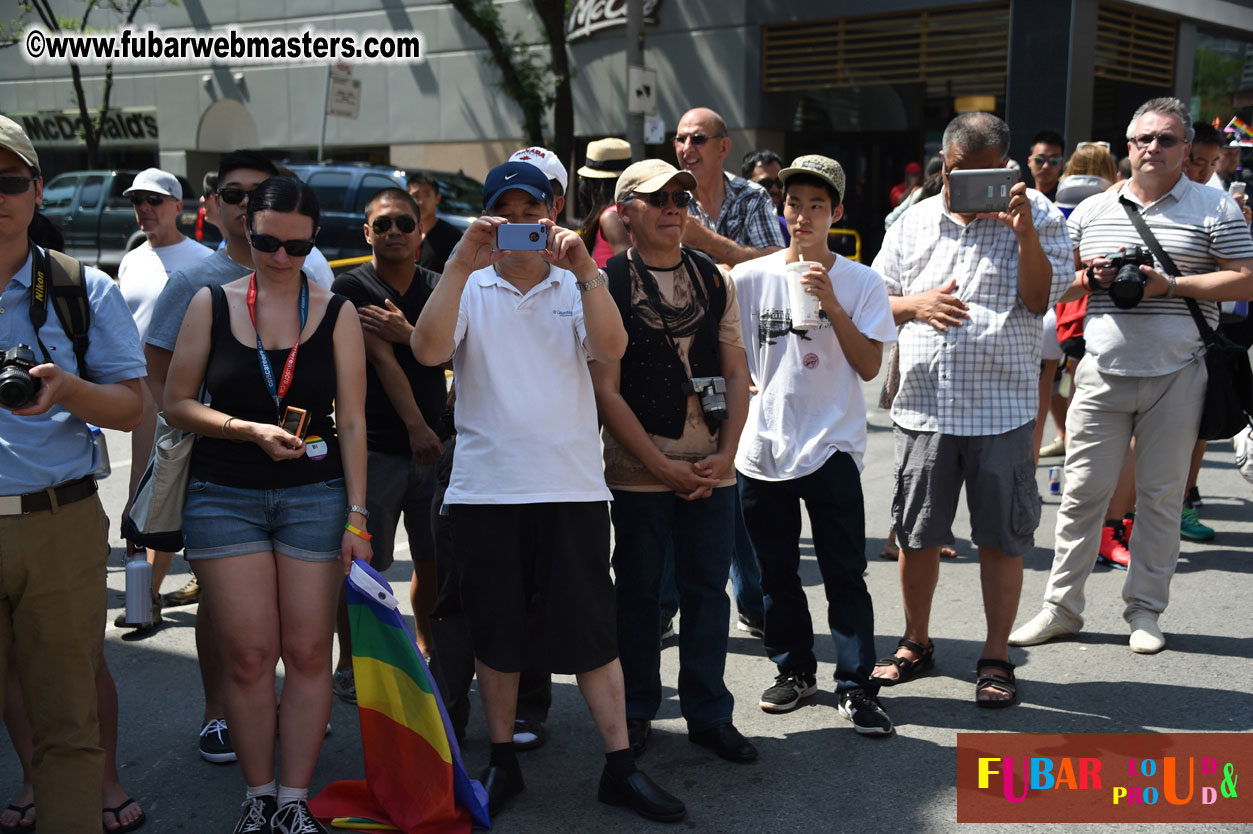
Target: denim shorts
point(304, 522)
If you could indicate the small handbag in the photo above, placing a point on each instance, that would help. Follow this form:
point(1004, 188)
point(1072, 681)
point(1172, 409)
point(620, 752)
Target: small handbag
point(1229, 392)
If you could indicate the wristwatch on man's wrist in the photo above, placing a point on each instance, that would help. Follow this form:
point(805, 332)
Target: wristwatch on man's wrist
point(1170, 290)
point(600, 280)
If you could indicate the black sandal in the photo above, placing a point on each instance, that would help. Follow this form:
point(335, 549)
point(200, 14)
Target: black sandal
point(17, 827)
point(907, 669)
point(985, 682)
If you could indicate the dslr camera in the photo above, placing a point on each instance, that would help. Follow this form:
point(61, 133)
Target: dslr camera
point(1127, 290)
point(17, 386)
point(712, 392)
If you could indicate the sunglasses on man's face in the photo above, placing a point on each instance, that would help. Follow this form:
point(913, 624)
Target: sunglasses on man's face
point(658, 199)
point(1051, 159)
point(270, 244)
point(233, 196)
point(696, 139)
point(1165, 141)
point(770, 182)
point(15, 185)
point(405, 224)
point(153, 200)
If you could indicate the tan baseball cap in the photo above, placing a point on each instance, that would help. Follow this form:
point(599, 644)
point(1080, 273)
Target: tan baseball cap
point(815, 165)
point(15, 139)
point(649, 175)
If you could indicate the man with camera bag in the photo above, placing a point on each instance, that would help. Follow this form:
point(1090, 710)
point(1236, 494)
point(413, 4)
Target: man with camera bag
point(672, 408)
point(1143, 374)
point(53, 530)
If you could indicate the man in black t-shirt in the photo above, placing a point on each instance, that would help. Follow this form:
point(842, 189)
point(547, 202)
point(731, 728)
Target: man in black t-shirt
point(403, 404)
point(439, 237)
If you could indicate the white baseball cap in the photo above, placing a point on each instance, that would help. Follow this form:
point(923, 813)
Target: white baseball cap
point(546, 161)
point(156, 181)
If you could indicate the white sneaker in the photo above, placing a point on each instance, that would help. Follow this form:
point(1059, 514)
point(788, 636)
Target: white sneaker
point(1146, 637)
point(1041, 628)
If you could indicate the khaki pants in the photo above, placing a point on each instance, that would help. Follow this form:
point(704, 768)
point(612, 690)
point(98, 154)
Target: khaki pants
point(52, 608)
point(1163, 414)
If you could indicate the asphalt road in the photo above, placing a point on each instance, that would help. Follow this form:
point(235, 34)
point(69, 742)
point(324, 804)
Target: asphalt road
point(814, 773)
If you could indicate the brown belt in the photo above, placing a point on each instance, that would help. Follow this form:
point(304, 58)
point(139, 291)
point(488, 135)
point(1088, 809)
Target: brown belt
point(34, 502)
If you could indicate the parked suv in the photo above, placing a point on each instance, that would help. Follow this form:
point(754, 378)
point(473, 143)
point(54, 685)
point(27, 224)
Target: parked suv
point(344, 188)
point(98, 221)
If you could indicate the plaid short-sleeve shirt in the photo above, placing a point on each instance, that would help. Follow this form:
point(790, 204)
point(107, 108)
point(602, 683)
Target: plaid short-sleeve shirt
point(747, 215)
point(981, 378)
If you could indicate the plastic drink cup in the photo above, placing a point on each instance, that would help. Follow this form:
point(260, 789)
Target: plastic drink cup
point(805, 306)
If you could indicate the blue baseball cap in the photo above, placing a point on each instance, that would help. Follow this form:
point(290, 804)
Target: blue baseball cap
point(520, 175)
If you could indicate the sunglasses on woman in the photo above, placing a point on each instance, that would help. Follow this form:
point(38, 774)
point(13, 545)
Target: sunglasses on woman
point(405, 224)
point(658, 199)
point(270, 244)
point(153, 200)
point(15, 185)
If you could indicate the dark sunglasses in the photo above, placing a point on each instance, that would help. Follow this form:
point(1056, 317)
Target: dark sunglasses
point(658, 199)
point(270, 244)
point(154, 200)
point(1051, 159)
point(15, 185)
point(233, 196)
point(770, 182)
point(405, 224)
point(1164, 141)
point(696, 139)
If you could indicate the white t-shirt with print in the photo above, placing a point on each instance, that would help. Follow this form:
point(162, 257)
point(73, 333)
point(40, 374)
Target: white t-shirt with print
point(809, 403)
point(144, 270)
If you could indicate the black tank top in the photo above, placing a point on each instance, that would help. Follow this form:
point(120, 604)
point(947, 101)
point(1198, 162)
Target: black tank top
point(237, 387)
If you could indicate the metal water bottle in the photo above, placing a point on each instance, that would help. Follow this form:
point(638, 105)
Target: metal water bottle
point(138, 589)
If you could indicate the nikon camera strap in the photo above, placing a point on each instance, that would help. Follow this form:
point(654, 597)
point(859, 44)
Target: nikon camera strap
point(63, 278)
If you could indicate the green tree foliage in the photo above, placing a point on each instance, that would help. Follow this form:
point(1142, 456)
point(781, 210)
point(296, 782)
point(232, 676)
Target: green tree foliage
point(1214, 76)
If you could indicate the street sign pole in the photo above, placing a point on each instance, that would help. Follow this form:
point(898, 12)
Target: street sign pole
point(635, 60)
point(326, 94)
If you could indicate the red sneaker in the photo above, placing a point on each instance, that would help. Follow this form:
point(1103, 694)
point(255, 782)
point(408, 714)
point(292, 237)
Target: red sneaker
point(1113, 550)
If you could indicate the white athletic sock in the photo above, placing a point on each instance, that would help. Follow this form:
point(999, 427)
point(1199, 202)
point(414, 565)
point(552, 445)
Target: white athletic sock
point(262, 790)
point(287, 796)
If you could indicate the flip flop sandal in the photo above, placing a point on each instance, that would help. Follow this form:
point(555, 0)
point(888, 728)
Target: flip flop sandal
point(21, 815)
point(907, 669)
point(116, 812)
point(984, 683)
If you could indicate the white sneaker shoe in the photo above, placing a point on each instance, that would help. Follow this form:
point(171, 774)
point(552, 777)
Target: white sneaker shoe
point(1041, 628)
point(1146, 637)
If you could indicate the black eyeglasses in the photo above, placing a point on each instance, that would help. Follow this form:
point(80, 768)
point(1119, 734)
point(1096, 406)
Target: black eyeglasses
point(658, 199)
point(405, 224)
point(1165, 141)
point(233, 196)
point(696, 139)
point(270, 244)
point(15, 185)
point(153, 200)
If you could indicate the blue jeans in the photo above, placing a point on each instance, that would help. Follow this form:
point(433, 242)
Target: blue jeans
point(837, 517)
point(644, 523)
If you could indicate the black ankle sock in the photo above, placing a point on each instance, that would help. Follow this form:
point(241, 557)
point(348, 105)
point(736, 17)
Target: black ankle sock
point(503, 755)
point(619, 764)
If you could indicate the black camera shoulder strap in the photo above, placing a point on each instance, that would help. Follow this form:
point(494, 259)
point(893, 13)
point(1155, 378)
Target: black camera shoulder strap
point(62, 278)
point(1146, 234)
point(649, 283)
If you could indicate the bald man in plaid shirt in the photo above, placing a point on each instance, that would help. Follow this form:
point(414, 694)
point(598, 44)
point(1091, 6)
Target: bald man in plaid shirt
point(968, 292)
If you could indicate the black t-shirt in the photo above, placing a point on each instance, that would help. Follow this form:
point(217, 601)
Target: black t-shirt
point(385, 431)
point(438, 245)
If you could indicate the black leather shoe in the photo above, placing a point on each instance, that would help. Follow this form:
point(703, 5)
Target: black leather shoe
point(638, 731)
point(502, 784)
point(527, 735)
point(642, 795)
point(727, 742)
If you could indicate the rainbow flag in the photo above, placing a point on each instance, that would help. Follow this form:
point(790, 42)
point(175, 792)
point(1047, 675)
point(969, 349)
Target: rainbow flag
point(1237, 125)
point(415, 781)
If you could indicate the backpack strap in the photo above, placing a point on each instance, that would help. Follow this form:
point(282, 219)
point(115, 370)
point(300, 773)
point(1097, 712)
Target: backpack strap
point(64, 279)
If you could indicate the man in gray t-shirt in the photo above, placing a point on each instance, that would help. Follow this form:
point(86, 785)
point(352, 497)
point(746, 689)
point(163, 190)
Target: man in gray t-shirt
point(1143, 375)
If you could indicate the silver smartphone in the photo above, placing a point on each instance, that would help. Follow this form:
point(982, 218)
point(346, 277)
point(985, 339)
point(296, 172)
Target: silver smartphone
point(980, 189)
point(522, 236)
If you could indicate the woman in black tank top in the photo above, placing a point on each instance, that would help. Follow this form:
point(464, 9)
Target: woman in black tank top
point(275, 507)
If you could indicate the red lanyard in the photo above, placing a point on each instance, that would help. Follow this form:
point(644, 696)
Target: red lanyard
point(289, 368)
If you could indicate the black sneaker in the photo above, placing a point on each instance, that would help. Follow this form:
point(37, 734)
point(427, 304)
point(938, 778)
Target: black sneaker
point(257, 814)
point(788, 689)
point(864, 710)
point(1194, 498)
point(295, 818)
point(668, 630)
point(751, 625)
point(215, 742)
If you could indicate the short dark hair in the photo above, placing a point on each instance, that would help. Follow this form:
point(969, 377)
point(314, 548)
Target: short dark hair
point(253, 161)
point(1206, 134)
point(397, 194)
point(283, 194)
point(816, 182)
point(752, 159)
point(976, 132)
point(422, 178)
point(1049, 137)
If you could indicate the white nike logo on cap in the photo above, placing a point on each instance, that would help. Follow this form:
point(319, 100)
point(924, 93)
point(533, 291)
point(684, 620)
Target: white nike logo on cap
point(510, 176)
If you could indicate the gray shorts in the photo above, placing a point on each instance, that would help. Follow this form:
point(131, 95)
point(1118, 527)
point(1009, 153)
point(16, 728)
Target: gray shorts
point(396, 485)
point(1001, 493)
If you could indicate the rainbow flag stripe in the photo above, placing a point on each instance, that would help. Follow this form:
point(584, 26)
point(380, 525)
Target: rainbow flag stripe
point(1237, 125)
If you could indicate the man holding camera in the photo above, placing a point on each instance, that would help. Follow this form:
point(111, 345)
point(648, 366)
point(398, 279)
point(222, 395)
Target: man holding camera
point(53, 530)
point(969, 290)
point(1143, 375)
point(672, 408)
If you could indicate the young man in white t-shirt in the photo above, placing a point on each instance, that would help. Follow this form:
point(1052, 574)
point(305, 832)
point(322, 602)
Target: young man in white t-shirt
point(527, 497)
point(804, 440)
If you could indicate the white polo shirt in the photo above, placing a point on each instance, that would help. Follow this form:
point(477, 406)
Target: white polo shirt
point(526, 413)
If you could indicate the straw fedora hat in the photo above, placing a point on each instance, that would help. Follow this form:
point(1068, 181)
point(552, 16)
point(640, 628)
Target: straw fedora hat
point(606, 159)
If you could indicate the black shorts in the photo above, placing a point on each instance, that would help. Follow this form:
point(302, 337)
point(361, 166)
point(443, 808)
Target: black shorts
point(535, 584)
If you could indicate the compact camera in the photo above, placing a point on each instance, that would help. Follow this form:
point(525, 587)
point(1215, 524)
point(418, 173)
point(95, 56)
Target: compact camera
point(17, 386)
point(1127, 290)
point(712, 392)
